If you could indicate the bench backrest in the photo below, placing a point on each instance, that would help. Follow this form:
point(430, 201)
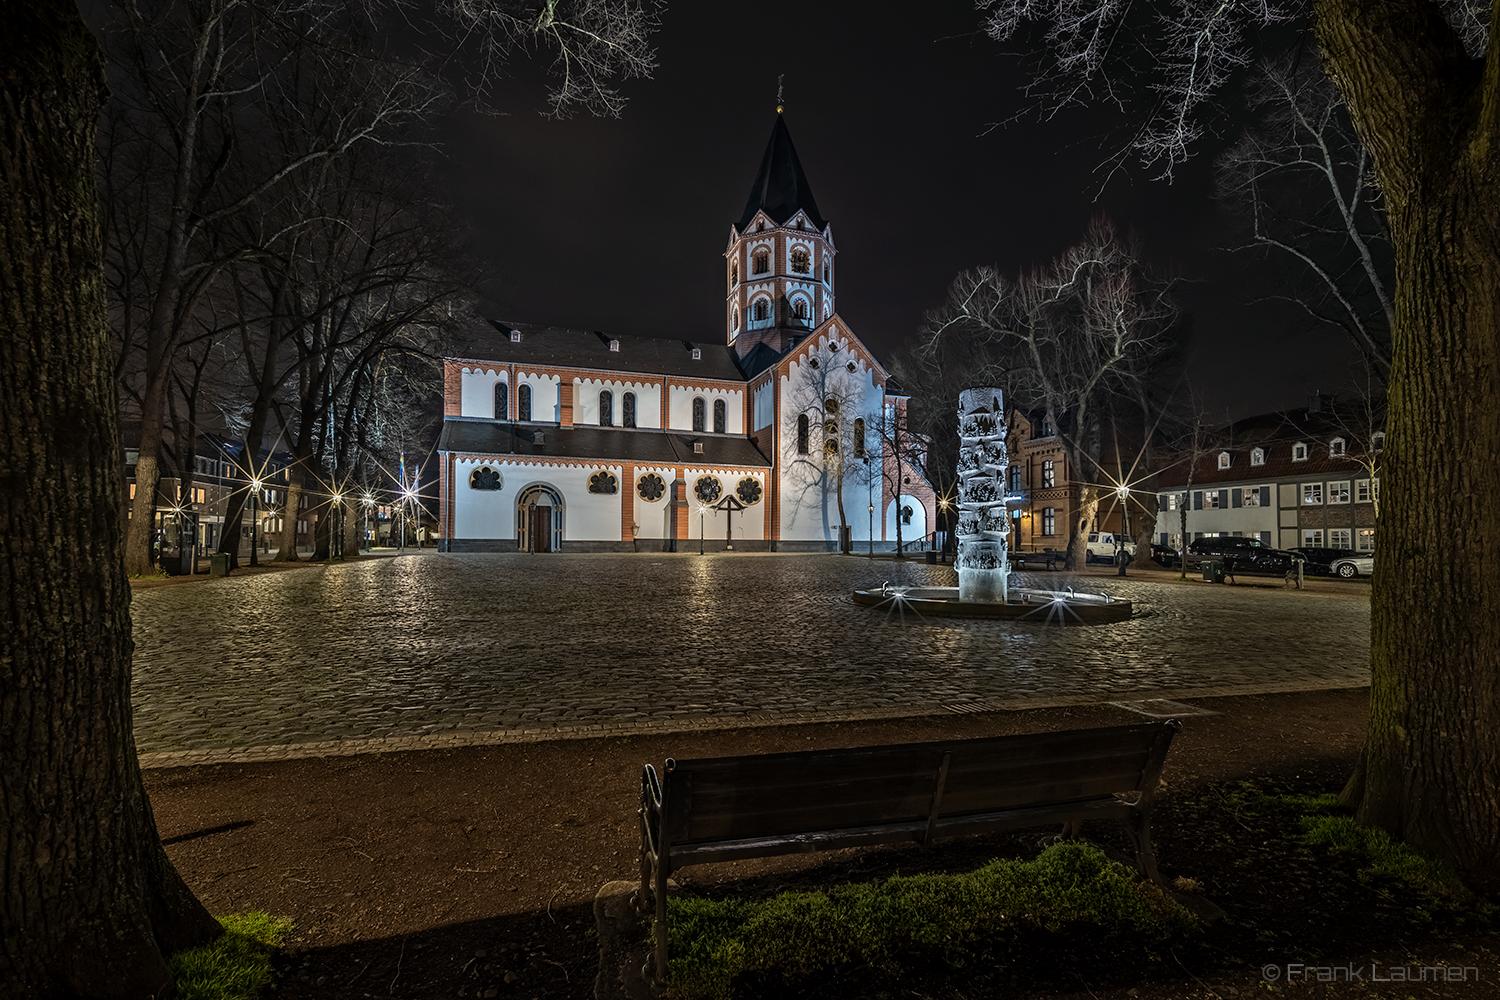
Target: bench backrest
point(733, 798)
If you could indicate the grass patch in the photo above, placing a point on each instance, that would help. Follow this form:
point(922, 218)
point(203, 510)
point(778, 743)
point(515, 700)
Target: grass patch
point(1071, 889)
point(234, 966)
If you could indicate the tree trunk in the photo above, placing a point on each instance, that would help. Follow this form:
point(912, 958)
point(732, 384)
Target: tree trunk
point(90, 903)
point(1078, 543)
point(291, 510)
point(1430, 772)
point(1144, 531)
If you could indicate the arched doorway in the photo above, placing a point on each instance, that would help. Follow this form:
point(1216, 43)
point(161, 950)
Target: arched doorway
point(539, 519)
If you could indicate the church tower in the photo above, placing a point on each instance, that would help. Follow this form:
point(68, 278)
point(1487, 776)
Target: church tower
point(779, 263)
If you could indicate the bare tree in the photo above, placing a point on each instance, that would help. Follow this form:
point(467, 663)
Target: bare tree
point(830, 394)
point(1421, 82)
point(1065, 339)
point(1303, 180)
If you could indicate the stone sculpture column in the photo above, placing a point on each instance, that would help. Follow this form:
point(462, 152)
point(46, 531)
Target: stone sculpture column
point(982, 564)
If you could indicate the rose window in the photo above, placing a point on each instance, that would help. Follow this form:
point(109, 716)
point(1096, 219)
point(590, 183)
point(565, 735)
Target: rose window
point(707, 489)
point(651, 487)
point(748, 491)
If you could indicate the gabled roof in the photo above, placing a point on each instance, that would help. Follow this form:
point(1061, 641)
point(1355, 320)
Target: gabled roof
point(781, 187)
point(561, 347)
point(1275, 435)
point(643, 447)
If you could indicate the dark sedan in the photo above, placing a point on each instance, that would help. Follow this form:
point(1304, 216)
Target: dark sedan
point(1165, 556)
point(1320, 560)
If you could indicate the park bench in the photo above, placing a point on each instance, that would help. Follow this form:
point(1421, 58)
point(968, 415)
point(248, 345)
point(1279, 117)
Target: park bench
point(725, 808)
point(1018, 560)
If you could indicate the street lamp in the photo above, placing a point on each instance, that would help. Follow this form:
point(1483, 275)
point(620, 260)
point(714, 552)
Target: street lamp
point(702, 510)
point(254, 521)
point(336, 539)
point(1123, 492)
point(872, 531)
point(369, 503)
point(943, 503)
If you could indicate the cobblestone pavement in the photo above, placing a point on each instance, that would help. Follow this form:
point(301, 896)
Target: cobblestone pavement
point(431, 649)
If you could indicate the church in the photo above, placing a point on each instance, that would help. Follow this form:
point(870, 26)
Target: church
point(783, 433)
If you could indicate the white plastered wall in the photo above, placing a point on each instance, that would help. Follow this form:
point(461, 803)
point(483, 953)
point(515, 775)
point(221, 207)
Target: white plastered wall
point(654, 517)
point(546, 400)
point(680, 408)
point(749, 524)
point(914, 531)
point(477, 391)
point(492, 513)
point(586, 401)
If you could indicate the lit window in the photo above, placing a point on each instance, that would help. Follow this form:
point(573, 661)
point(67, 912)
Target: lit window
point(736, 318)
point(1250, 496)
point(1365, 540)
point(1361, 491)
point(1312, 493)
point(1049, 521)
point(734, 273)
point(1299, 452)
point(1339, 538)
point(1172, 501)
point(1049, 476)
point(1211, 500)
point(1223, 459)
point(1338, 493)
point(1257, 456)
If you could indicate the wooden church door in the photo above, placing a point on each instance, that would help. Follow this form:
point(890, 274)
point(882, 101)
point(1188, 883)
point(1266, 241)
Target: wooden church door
point(539, 531)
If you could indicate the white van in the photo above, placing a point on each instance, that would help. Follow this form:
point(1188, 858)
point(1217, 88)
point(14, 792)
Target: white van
point(1102, 547)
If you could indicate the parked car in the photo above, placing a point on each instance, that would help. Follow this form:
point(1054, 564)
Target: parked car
point(1353, 565)
point(1102, 546)
point(1321, 560)
point(1241, 554)
point(1165, 556)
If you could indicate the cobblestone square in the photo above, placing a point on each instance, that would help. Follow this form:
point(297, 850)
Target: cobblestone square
point(431, 647)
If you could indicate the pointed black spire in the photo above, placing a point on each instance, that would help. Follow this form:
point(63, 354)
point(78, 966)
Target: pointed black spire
point(781, 187)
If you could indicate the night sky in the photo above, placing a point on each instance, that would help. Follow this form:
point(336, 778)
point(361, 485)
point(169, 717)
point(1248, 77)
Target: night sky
point(620, 225)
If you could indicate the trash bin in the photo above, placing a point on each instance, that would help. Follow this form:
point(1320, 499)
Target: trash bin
point(218, 564)
point(1213, 571)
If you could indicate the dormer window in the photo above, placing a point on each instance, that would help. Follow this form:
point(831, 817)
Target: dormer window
point(1299, 452)
point(614, 345)
point(1223, 459)
point(1336, 448)
point(1377, 441)
point(801, 262)
point(697, 447)
point(696, 354)
point(515, 336)
point(762, 263)
point(1257, 456)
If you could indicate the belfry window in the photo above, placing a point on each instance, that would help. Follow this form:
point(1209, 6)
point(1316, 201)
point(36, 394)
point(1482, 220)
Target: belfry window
point(700, 413)
point(799, 309)
point(762, 262)
point(734, 273)
point(629, 407)
point(523, 403)
point(721, 417)
point(606, 409)
point(502, 401)
point(761, 309)
point(801, 262)
point(859, 437)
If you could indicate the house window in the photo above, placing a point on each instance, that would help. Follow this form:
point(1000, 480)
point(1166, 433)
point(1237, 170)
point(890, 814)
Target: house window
point(629, 406)
point(523, 403)
point(1250, 496)
point(1299, 452)
point(1365, 540)
point(1339, 538)
point(1223, 459)
point(1172, 501)
point(1336, 448)
point(1257, 456)
point(1338, 493)
point(1312, 538)
point(606, 409)
point(1049, 476)
point(1013, 479)
point(700, 414)
point(801, 262)
point(1210, 499)
point(1049, 521)
point(802, 434)
point(502, 401)
point(1361, 491)
point(859, 437)
point(1312, 493)
point(1377, 441)
point(760, 310)
point(721, 417)
point(762, 262)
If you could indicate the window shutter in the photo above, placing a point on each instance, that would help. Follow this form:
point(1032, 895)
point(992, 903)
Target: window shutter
point(1223, 498)
point(1161, 502)
point(1265, 496)
point(1235, 498)
point(1197, 499)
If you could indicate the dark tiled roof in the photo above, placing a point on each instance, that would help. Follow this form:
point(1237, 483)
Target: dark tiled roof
point(1275, 433)
point(761, 357)
point(491, 437)
point(550, 345)
point(781, 187)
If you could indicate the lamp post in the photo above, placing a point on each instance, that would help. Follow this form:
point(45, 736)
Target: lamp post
point(336, 539)
point(254, 521)
point(369, 503)
point(702, 510)
point(872, 531)
point(943, 503)
point(1120, 556)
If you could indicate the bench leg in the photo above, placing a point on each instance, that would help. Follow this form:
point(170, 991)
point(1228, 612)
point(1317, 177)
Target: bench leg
point(661, 922)
point(1145, 854)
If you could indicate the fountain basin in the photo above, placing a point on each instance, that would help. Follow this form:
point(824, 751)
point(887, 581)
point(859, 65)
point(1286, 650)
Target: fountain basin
point(1042, 606)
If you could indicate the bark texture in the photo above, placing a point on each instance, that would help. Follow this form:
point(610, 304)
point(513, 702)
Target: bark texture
point(1431, 116)
point(89, 902)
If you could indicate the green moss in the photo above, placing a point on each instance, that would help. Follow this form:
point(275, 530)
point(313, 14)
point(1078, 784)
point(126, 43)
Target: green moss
point(234, 966)
point(957, 919)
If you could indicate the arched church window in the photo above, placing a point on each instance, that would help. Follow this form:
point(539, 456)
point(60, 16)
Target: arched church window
point(802, 431)
point(859, 438)
point(734, 273)
point(700, 413)
point(736, 319)
point(831, 446)
point(502, 401)
point(762, 310)
point(629, 406)
point(606, 408)
point(799, 309)
point(831, 406)
point(801, 262)
point(485, 478)
point(523, 403)
point(721, 417)
point(604, 482)
point(762, 262)
point(825, 274)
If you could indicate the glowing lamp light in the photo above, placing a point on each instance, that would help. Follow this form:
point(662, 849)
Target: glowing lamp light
point(1123, 492)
